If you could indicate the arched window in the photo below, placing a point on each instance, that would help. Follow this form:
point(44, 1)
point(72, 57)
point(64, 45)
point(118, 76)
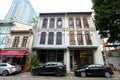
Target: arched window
point(59, 38)
point(59, 23)
point(43, 38)
point(51, 38)
point(78, 23)
point(45, 22)
point(52, 23)
point(71, 23)
point(85, 23)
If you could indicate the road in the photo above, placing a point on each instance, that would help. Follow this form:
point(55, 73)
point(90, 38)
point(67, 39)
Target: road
point(27, 76)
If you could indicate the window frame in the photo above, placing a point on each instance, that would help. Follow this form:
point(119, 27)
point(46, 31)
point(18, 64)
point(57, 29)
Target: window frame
point(43, 38)
point(24, 41)
point(85, 22)
point(51, 38)
point(59, 38)
point(52, 23)
point(88, 38)
point(71, 23)
point(80, 37)
point(45, 23)
point(58, 21)
point(78, 23)
point(16, 41)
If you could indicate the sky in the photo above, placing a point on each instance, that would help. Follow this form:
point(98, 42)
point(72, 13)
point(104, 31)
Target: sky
point(51, 6)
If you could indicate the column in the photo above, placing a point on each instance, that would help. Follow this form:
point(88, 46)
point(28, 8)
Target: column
point(98, 58)
point(67, 54)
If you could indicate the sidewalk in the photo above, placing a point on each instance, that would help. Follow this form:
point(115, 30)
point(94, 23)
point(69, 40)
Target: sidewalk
point(116, 73)
point(71, 74)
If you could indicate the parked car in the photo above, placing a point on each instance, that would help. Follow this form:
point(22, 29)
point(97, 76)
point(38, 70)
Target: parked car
point(56, 68)
point(94, 70)
point(7, 68)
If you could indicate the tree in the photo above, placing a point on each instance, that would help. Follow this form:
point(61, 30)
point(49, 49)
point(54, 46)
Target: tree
point(34, 23)
point(107, 19)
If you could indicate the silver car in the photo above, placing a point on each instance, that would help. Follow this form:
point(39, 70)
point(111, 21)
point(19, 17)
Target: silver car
point(7, 68)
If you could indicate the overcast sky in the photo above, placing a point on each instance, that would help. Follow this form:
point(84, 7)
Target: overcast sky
point(51, 6)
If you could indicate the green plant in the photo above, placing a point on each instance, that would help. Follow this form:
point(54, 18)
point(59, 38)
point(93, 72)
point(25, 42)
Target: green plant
point(34, 62)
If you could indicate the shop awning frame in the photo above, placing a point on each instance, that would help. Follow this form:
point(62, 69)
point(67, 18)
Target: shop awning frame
point(50, 48)
point(82, 47)
point(13, 53)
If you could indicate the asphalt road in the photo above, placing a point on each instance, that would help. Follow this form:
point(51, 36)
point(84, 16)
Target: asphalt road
point(28, 76)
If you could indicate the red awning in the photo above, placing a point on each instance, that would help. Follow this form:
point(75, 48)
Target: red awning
point(13, 53)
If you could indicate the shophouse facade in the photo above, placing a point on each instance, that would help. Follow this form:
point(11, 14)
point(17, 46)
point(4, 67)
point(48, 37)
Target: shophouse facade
point(20, 45)
point(68, 37)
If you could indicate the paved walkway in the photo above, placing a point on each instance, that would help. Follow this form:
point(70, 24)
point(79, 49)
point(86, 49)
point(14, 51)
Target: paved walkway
point(116, 74)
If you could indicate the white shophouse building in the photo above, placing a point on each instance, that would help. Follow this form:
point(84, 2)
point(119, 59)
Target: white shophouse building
point(68, 37)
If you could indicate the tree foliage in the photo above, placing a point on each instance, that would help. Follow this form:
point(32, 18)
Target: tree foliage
point(107, 18)
point(34, 23)
point(34, 60)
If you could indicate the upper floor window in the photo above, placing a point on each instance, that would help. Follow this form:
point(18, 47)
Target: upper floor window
point(24, 41)
point(88, 38)
point(71, 23)
point(78, 23)
point(16, 42)
point(59, 38)
point(79, 37)
point(85, 23)
point(45, 22)
point(72, 38)
point(51, 38)
point(59, 23)
point(43, 38)
point(52, 23)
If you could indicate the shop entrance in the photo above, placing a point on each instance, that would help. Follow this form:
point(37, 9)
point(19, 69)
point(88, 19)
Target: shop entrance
point(81, 58)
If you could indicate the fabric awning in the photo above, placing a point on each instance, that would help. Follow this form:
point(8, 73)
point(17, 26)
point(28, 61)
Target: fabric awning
point(13, 53)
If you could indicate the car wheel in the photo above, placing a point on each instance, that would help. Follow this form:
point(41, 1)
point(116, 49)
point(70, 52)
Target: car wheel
point(58, 73)
point(83, 74)
point(35, 74)
point(107, 74)
point(5, 73)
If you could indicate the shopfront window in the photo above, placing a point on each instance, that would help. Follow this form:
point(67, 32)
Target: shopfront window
point(82, 58)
